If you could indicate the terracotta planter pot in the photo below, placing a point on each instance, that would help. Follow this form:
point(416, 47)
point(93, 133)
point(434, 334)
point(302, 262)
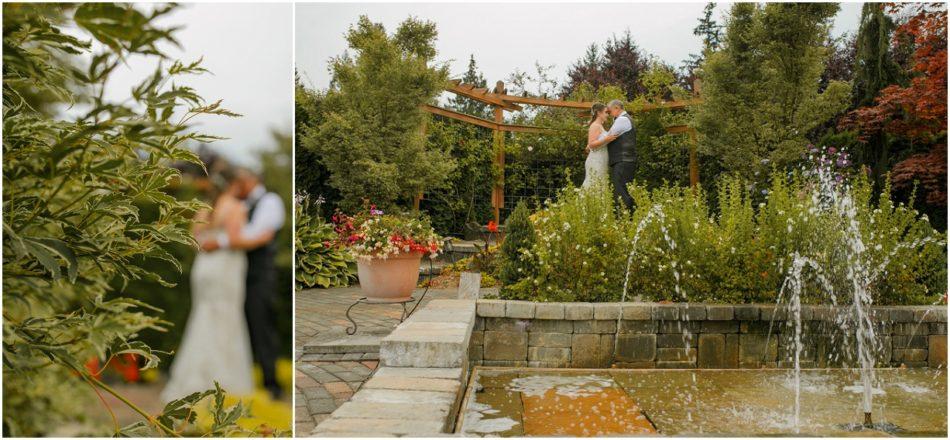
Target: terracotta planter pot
point(391, 279)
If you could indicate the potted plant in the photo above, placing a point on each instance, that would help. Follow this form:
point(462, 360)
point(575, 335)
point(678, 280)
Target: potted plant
point(388, 250)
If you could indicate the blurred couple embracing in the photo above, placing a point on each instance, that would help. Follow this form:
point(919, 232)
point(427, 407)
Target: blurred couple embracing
point(233, 283)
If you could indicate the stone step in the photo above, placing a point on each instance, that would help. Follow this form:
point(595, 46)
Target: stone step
point(345, 345)
point(435, 336)
point(417, 389)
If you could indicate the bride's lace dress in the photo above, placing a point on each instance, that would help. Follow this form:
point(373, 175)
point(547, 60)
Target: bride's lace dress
point(215, 345)
point(596, 165)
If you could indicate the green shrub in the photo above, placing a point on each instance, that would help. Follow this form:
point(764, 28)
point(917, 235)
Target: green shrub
point(741, 254)
point(519, 236)
point(321, 261)
point(578, 249)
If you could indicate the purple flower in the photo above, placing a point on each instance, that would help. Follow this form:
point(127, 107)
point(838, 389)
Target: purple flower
point(376, 212)
point(832, 150)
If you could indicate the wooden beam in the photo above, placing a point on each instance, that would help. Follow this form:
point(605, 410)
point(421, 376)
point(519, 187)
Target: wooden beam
point(510, 102)
point(481, 122)
point(670, 104)
point(474, 120)
point(531, 100)
point(480, 95)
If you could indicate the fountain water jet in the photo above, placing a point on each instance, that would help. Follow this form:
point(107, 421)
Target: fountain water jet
point(833, 197)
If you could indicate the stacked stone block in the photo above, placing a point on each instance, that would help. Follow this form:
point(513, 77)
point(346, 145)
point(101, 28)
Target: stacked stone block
point(652, 335)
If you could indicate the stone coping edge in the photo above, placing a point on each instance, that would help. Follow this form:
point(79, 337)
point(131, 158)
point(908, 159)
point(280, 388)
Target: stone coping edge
point(646, 311)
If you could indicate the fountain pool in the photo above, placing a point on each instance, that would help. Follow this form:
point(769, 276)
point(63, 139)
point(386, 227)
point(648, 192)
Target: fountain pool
point(617, 402)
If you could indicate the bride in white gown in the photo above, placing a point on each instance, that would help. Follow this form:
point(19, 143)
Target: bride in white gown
point(215, 345)
point(596, 167)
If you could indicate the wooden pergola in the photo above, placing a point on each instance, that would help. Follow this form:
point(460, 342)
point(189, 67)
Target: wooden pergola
point(501, 101)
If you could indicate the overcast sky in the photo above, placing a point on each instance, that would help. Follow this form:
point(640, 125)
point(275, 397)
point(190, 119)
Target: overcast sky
point(505, 37)
point(249, 50)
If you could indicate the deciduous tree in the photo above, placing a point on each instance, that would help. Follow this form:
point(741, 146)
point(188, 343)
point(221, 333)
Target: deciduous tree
point(916, 111)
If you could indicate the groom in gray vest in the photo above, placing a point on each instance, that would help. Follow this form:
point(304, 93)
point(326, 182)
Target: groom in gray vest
point(621, 152)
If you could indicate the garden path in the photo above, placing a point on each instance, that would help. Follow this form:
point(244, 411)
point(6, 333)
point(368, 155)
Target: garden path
point(326, 381)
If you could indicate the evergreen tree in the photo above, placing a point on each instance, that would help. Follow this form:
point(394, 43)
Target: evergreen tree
point(874, 67)
point(467, 105)
point(708, 29)
point(761, 91)
point(519, 236)
point(370, 135)
point(625, 63)
point(622, 64)
point(587, 69)
point(711, 33)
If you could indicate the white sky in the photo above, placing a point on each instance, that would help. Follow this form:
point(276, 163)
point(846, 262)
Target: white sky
point(505, 37)
point(248, 47)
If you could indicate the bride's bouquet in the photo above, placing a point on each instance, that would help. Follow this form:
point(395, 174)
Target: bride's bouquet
point(373, 234)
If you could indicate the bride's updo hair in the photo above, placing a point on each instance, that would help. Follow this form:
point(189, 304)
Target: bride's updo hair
point(221, 179)
point(595, 110)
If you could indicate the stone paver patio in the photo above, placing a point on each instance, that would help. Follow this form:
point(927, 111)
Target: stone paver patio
point(326, 381)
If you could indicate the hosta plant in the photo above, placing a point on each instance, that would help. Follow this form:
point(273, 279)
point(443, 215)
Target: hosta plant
point(321, 260)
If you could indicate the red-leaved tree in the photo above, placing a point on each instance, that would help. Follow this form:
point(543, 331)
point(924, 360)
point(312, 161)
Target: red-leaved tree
point(918, 111)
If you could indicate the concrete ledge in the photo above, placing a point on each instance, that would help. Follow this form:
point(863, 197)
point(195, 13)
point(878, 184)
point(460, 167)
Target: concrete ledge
point(435, 336)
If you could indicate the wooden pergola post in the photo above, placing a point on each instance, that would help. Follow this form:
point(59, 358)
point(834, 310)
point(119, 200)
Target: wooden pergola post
point(693, 161)
point(498, 137)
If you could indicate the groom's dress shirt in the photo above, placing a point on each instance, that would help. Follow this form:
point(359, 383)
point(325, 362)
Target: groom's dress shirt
point(268, 215)
point(621, 125)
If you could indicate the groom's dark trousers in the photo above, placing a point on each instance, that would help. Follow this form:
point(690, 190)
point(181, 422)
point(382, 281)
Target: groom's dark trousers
point(622, 156)
point(259, 310)
point(621, 173)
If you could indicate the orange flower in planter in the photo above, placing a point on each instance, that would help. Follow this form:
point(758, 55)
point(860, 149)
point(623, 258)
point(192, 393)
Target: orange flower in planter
point(492, 226)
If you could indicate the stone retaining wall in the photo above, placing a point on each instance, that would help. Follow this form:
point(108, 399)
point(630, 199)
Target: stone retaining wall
point(584, 335)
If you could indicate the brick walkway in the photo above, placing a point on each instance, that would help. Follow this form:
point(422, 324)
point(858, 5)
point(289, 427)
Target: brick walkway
point(324, 382)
